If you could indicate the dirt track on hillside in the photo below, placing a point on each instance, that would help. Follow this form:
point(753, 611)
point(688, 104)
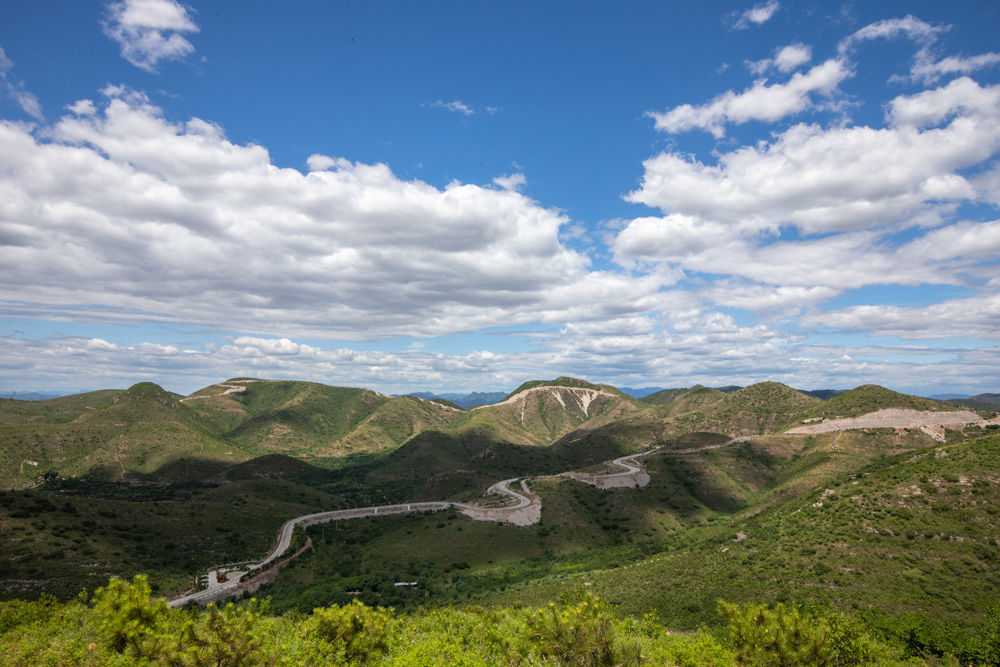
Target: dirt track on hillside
point(893, 418)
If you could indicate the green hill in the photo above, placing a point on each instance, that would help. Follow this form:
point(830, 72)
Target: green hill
point(541, 412)
point(911, 533)
point(310, 420)
point(103, 434)
point(880, 520)
point(867, 398)
point(59, 410)
point(757, 409)
point(677, 401)
point(989, 402)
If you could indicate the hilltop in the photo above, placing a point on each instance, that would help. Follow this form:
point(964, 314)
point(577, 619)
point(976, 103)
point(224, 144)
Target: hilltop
point(684, 399)
point(103, 434)
point(542, 411)
point(868, 398)
point(758, 409)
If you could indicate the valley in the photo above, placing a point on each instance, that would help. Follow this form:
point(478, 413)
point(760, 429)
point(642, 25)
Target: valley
point(869, 500)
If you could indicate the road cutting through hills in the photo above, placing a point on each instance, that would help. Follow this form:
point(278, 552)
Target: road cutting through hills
point(224, 580)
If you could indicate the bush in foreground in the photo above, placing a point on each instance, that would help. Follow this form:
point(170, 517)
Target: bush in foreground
point(124, 625)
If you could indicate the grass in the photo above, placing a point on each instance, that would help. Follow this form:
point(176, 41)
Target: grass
point(908, 533)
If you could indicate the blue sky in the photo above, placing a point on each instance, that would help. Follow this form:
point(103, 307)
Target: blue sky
point(457, 196)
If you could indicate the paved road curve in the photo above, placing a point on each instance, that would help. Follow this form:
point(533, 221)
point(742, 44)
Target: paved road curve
point(520, 513)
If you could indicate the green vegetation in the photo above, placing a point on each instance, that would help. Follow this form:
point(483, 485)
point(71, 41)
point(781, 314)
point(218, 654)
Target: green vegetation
point(684, 399)
point(907, 534)
point(875, 544)
point(864, 399)
point(123, 625)
point(988, 402)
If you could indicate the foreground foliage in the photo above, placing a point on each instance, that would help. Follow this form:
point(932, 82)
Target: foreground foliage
point(123, 625)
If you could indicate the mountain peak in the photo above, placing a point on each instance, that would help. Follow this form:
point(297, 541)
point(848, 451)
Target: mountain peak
point(562, 381)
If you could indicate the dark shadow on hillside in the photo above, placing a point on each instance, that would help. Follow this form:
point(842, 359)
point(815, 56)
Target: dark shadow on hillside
point(194, 471)
point(443, 465)
point(593, 445)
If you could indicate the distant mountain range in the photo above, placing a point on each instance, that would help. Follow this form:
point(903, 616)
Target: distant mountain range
point(488, 397)
point(31, 395)
point(464, 400)
point(475, 398)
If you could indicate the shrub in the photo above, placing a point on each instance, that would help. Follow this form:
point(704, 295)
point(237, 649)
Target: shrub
point(354, 632)
point(229, 636)
point(127, 617)
point(582, 634)
point(779, 636)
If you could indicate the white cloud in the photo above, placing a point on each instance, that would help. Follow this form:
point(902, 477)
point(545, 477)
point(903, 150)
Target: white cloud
point(837, 179)
point(765, 298)
point(790, 57)
point(83, 108)
point(148, 219)
point(962, 240)
point(143, 218)
point(962, 97)
point(786, 59)
point(909, 27)
point(150, 31)
point(988, 185)
point(317, 162)
point(761, 102)
point(976, 317)
point(511, 181)
point(757, 15)
point(928, 71)
point(454, 106)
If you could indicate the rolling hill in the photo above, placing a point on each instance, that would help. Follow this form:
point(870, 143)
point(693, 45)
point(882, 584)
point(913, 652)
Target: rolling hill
point(105, 434)
point(989, 402)
point(540, 412)
point(865, 399)
point(878, 518)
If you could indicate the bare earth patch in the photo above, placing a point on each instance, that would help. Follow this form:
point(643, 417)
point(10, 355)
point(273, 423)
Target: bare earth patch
point(895, 418)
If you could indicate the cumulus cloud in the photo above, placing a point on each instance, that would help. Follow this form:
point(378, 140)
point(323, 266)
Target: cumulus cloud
point(962, 97)
point(760, 102)
point(150, 31)
point(927, 70)
point(141, 217)
point(786, 59)
point(132, 213)
point(842, 178)
point(756, 15)
point(454, 106)
point(767, 298)
point(781, 226)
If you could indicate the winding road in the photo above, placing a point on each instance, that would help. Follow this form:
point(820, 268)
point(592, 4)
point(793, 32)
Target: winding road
point(525, 511)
